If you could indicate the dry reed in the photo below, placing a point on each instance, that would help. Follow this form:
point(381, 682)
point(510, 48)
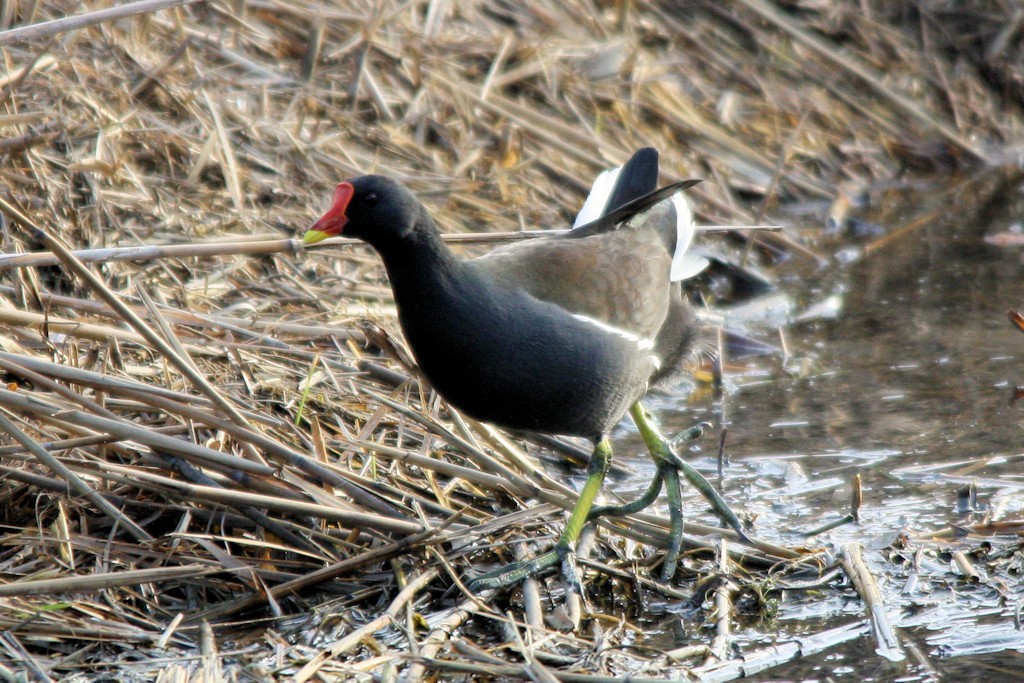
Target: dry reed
point(202, 428)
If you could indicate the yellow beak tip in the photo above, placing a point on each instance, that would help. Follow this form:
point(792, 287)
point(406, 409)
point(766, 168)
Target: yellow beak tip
point(313, 236)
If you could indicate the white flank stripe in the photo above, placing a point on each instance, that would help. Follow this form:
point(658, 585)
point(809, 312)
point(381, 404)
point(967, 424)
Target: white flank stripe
point(617, 331)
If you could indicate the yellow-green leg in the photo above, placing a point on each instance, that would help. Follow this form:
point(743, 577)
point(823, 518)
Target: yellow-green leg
point(666, 473)
point(654, 488)
point(669, 466)
point(662, 453)
point(565, 549)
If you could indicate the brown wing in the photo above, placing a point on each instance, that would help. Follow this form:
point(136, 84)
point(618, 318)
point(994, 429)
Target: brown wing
point(620, 278)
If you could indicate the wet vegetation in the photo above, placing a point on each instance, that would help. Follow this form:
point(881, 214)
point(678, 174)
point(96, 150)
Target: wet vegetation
point(218, 461)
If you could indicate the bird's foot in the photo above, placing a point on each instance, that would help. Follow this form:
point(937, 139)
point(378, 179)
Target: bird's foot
point(706, 489)
point(654, 488)
point(667, 474)
point(563, 551)
point(641, 503)
point(663, 451)
point(691, 434)
point(516, 572)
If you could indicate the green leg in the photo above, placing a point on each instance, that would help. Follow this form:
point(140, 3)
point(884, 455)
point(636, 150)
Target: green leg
point(565, 549)
point(644, 501)
point(667, 473)
point(675, 512)
point(662, 452)
point(651, 494)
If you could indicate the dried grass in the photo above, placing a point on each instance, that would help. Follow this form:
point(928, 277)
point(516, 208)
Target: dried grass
point(207, 439)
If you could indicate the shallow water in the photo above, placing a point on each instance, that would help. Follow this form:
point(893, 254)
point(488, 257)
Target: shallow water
point(909, 387)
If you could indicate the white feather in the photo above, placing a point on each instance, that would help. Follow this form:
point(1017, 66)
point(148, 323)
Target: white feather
point(641, 342)
point(684, 265)
point(598, 197)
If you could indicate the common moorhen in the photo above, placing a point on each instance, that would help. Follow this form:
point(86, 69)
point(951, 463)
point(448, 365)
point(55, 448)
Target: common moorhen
point(560, 335)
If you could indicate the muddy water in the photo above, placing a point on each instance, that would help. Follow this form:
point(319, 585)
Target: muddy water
point(908, 386)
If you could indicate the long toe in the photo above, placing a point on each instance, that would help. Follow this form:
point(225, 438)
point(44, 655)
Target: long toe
point(514, 573)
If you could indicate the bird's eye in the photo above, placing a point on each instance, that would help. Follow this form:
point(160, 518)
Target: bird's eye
point(370, 199)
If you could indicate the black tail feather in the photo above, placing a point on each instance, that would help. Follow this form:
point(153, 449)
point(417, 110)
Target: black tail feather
point(611, 219)
point(638, 177)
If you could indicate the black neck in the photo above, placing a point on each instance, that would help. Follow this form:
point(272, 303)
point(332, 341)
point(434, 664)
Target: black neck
point(419, 264)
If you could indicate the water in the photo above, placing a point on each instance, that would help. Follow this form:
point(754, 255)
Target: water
point(909, 386)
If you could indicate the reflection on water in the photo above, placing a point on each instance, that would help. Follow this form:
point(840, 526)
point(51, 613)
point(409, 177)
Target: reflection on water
point(909, 387)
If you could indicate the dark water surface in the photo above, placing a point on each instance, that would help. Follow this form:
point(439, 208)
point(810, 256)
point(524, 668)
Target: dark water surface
point(909, 387)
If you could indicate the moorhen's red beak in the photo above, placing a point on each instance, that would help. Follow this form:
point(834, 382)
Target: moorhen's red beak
point(332, 222)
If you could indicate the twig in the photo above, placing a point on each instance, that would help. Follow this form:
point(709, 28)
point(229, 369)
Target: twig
point(73, 480)
point(48, 28)
point(380, 621)
point(101, 581)
point(906, 105)
point(886, 639)
point(723, 606)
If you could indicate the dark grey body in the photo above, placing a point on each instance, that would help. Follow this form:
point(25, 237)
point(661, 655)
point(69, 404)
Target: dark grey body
point(504, 356)
point(558, 335)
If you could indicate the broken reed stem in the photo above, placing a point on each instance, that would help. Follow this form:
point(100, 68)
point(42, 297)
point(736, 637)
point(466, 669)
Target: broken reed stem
point(886, 639)
point(104, 580)
point(532, 611)
point(50, 28)
point(856, 500)
point(856, 496)
point(829, 526)
point(245, 247)
point(966, 567)
point(74, 481)
point(436, 639)
point(777, 654)
point(720, 644)
point(404, 597)
point(216, 495)
point(409, 457)
point(534, 668)
point(258, 247)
